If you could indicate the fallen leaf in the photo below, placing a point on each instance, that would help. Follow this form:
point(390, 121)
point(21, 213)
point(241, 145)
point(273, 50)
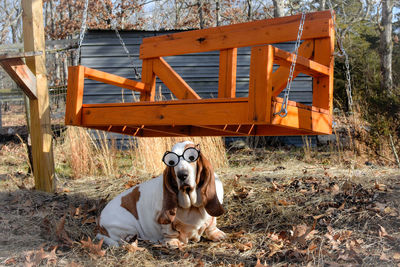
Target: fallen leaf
point(89, 220)
point(384, 257)
point(133, 247)
point(274, 248)
point(383, 233)
point(396, 256)
point(244, 247)
point(285, 203)
point(10, 261)
point(258, 264)
point(93, 249)
point(74, 264)
point(61, 233)
point(380, 187)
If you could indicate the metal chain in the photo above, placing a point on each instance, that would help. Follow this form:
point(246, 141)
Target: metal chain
point(137, 74)
point(83, 26)
point(114, 27)
point(283, 112)
point(342, 53)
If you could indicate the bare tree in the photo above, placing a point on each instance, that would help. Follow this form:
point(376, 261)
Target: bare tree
point(386, 46)
point(279, 8)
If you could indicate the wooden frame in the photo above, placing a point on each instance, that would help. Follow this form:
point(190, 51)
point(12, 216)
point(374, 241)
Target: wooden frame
point(226, 115)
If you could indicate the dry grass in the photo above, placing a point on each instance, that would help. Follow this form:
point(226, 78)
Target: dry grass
point(150, 151)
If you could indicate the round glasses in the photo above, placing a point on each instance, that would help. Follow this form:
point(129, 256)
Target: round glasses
point(172, 159)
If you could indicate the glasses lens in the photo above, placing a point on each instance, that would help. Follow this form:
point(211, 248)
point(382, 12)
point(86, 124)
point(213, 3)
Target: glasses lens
point(191, 154)
point(171, 159)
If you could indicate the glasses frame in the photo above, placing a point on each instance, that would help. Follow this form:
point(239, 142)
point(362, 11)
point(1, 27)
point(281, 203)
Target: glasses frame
point(180, 156)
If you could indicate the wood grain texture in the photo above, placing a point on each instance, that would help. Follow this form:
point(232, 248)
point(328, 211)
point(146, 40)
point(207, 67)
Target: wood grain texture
point(73, 108)
point(172, 80)
point(40, 126)
point(227, 73)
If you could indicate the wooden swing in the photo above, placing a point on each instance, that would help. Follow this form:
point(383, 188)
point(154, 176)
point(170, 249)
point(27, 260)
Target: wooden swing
point(226, 115)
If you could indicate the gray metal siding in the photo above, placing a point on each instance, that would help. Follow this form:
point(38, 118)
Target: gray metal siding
point(102, 50)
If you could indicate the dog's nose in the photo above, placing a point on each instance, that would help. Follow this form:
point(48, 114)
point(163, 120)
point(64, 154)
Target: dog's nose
point(182, 175)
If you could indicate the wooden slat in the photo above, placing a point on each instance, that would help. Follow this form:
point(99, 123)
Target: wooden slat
point(149, 79)
point(323, 86)
point(173, 81)
point(227, 73)
point(73, 107)
point(239, 35)
point(21, 74)
point(304, 65)
point(40, 126)
point(113, 79)
point(303, 118)
point(280, 76)
point(260, 83)
point(20, 55)
point(155, 113)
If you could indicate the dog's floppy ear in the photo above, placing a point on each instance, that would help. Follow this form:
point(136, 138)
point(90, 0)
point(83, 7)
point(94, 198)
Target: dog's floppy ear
point(170, 199)
point(206, 183)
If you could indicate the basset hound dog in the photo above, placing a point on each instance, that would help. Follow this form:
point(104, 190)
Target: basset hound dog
point(173, 208)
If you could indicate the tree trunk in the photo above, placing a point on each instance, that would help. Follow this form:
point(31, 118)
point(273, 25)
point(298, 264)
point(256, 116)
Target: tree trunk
point(322, 4)
point(217, 9)
point(200, 12)
point(386, 46)
point(279, 6)
point(249, 10)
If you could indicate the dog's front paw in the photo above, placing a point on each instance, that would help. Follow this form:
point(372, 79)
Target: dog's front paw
point(216, 235)
point(173, 243)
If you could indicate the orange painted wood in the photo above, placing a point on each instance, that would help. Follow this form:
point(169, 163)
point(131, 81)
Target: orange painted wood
point(303, 118)
point(21, 74)
point(303, 65)
point(239, 35)
point(157, 113)
point(73, 107)
point(323, 86)
point(280, 76)
point(227, 73)
point(149, 79)
point(112, 79)
point(172, 80)
point(260, 83)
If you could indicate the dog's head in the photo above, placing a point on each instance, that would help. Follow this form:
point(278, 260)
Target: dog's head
point(188, 181)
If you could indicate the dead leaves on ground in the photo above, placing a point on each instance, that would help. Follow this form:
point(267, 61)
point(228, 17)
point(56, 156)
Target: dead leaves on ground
point(93, 249)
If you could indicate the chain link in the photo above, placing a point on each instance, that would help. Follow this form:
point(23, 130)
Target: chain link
point(283, 112)
point(342, 53)
point(137, 74)
point(83, 26)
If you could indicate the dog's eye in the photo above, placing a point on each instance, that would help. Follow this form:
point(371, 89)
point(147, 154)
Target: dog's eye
point(191, 154)
point(171, 159)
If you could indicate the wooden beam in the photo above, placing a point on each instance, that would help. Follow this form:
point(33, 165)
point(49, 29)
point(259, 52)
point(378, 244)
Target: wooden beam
point(73, 107)
point(323, 86)
point(260, 83)
point(280, 76)
point(21, 74)
point(303, 65)
point(149, 79)
point(172, 80)
point(112, 79)
point(303, 117)
point(183, 112)
point(41, 135)
point(239, 35)
point(10, 55)
point(227, 73)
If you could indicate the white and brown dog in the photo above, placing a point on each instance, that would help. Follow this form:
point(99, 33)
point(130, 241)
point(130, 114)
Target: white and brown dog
point(173, 208)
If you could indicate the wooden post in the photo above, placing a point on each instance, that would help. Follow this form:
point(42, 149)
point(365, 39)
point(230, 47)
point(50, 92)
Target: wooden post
point(227, 73)
point(41, 135)
point(149, 78)
point(260, 84)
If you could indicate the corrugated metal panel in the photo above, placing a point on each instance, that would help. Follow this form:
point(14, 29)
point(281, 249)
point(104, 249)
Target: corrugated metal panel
point(102, 50)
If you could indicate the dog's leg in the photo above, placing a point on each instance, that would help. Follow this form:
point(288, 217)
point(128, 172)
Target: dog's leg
point(171, 236)
point(107, 240)
point(212, 232)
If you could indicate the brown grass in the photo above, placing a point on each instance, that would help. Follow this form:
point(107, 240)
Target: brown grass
point(150, 151)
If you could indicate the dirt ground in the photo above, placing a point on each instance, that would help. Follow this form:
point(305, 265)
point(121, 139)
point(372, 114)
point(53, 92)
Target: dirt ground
point(280, 211)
